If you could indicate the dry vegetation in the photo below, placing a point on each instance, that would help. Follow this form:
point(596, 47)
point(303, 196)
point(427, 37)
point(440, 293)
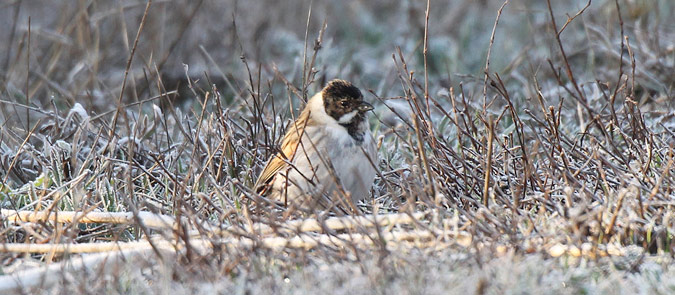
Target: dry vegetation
point(135, 131)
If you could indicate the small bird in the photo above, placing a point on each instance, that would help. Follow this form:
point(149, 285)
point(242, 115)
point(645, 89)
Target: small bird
point(327, 153)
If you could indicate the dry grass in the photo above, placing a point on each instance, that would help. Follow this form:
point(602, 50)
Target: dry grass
point(526, 152)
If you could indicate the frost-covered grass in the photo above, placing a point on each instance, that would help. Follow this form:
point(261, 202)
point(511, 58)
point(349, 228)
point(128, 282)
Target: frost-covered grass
point(581, 123)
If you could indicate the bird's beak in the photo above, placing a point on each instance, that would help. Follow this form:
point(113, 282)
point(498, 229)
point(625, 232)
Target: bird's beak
point(364, 107)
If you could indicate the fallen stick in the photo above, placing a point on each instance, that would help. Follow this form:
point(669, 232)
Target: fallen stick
point(306, 241)
point(159, 221)
point(586, 250)
point(337, 223)
point(149, 219)
point(78, 248)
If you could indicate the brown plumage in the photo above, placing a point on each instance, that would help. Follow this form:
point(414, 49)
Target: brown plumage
point(289, 145)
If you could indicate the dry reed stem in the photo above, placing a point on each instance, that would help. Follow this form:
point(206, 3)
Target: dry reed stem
point(79, 248)
point(586, 250)
point(159, 221)
point(149, 219)
point(339, 223)
point(303, 240)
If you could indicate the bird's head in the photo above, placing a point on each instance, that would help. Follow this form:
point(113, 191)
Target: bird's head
point(344, 102)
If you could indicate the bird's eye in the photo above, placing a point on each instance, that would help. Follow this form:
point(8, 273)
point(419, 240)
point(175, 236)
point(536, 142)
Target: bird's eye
point(343, 103)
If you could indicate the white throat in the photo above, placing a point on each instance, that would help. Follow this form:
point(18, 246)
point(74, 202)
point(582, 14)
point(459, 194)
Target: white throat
point(346, 118)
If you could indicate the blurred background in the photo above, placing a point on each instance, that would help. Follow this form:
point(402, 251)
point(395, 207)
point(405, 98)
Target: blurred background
point(78, 50)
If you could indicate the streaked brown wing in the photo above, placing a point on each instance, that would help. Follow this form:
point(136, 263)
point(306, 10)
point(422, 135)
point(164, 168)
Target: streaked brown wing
point(288, 147)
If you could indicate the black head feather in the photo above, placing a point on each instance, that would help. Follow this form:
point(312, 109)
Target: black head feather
point(342, 89)
point(341, 97)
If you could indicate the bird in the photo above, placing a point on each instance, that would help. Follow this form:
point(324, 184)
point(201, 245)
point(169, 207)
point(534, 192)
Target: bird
point(327, 156)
